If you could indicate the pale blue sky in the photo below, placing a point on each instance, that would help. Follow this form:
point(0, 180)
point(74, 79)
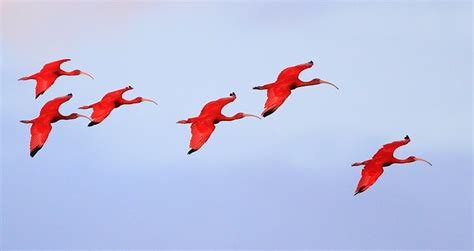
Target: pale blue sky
point(284, 182)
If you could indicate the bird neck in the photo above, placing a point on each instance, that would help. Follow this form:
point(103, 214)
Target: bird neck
point(402, 161)
point(129, 102)
point(68, 117)
point(68, 73)
point(309, 83)
point(225, 118)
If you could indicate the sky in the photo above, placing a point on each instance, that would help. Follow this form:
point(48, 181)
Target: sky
point(284, 182)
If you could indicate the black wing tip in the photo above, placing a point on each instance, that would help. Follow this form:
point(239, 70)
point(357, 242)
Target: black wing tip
point(232, 94)
point(39, 94)
point(407, 137)
point(268, 112)
point(34, 151)
point(362, 189)
point(93, 123)
point(310, 62)
point(192, 150)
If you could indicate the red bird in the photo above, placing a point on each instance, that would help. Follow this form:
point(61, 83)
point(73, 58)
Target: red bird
point(373, 168)
point(110, 101)
point(288, 80)
point(203, 125)
point(42, 124)
point(50, 72)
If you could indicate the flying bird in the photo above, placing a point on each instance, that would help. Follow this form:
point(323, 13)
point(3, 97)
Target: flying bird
point(48, 75)
point(110, 101)
point(280, 90)
point(203, 125)
point(373, 168)
point(42, 124)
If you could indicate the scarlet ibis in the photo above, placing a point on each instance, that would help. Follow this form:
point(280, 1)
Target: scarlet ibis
point(110, 101)
point(373, 168)
point(280, 90)
point(42, 124)
point(50, 72)
point(203, 125)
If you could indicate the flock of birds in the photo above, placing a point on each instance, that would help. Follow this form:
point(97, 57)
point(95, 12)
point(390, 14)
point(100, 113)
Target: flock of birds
point(203, 125)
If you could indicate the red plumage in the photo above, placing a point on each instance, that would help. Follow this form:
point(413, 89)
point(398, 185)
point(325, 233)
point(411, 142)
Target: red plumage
point(287, 80)
point(203, 125)
point(48, 75)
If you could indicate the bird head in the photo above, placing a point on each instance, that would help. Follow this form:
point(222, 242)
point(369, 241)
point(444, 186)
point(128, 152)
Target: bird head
point(413, 159)
point(79, 72)
point(318, 81)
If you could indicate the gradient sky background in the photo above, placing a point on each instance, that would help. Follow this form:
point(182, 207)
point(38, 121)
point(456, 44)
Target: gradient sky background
point(283, 182)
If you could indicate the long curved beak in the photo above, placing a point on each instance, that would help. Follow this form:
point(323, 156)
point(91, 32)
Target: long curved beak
point(149, 100)
point(326, 82)
point(87, 74)
point(251, 115)
point(83, 116)
point(420, 159)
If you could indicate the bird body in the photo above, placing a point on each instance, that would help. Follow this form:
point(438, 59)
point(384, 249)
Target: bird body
point(373, 168)
point(41, 126)
point(111, 100)
point(287, 80)
point(203, 125)
point(48, 75)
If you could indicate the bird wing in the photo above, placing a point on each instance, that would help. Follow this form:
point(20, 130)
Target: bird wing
point(275, 98)
point(201, 131)
point(101, 111)
point(54, 66)
point(39, 134)
point(370, 174)
point(215, 107)
point(389, 149)
point(53, 105)
point(293, 72)
point(104, 107)
point(43, 83)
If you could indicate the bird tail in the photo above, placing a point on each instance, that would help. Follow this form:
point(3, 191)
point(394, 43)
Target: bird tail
point(258, 88)
point(25, 78)
point(360, 163)
point(186, 121)
point(85, 107)
point(262, 87)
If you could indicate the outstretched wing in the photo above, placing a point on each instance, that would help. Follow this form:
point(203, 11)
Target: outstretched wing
point(52, 106)
point(293, 72)
point(54, 66)
point(39, 134)
point(201, 131)
point(370, 174)
point(215, 107)
point(389, 149)
point(275, 98)
point(101, 111)
point(43, 82)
